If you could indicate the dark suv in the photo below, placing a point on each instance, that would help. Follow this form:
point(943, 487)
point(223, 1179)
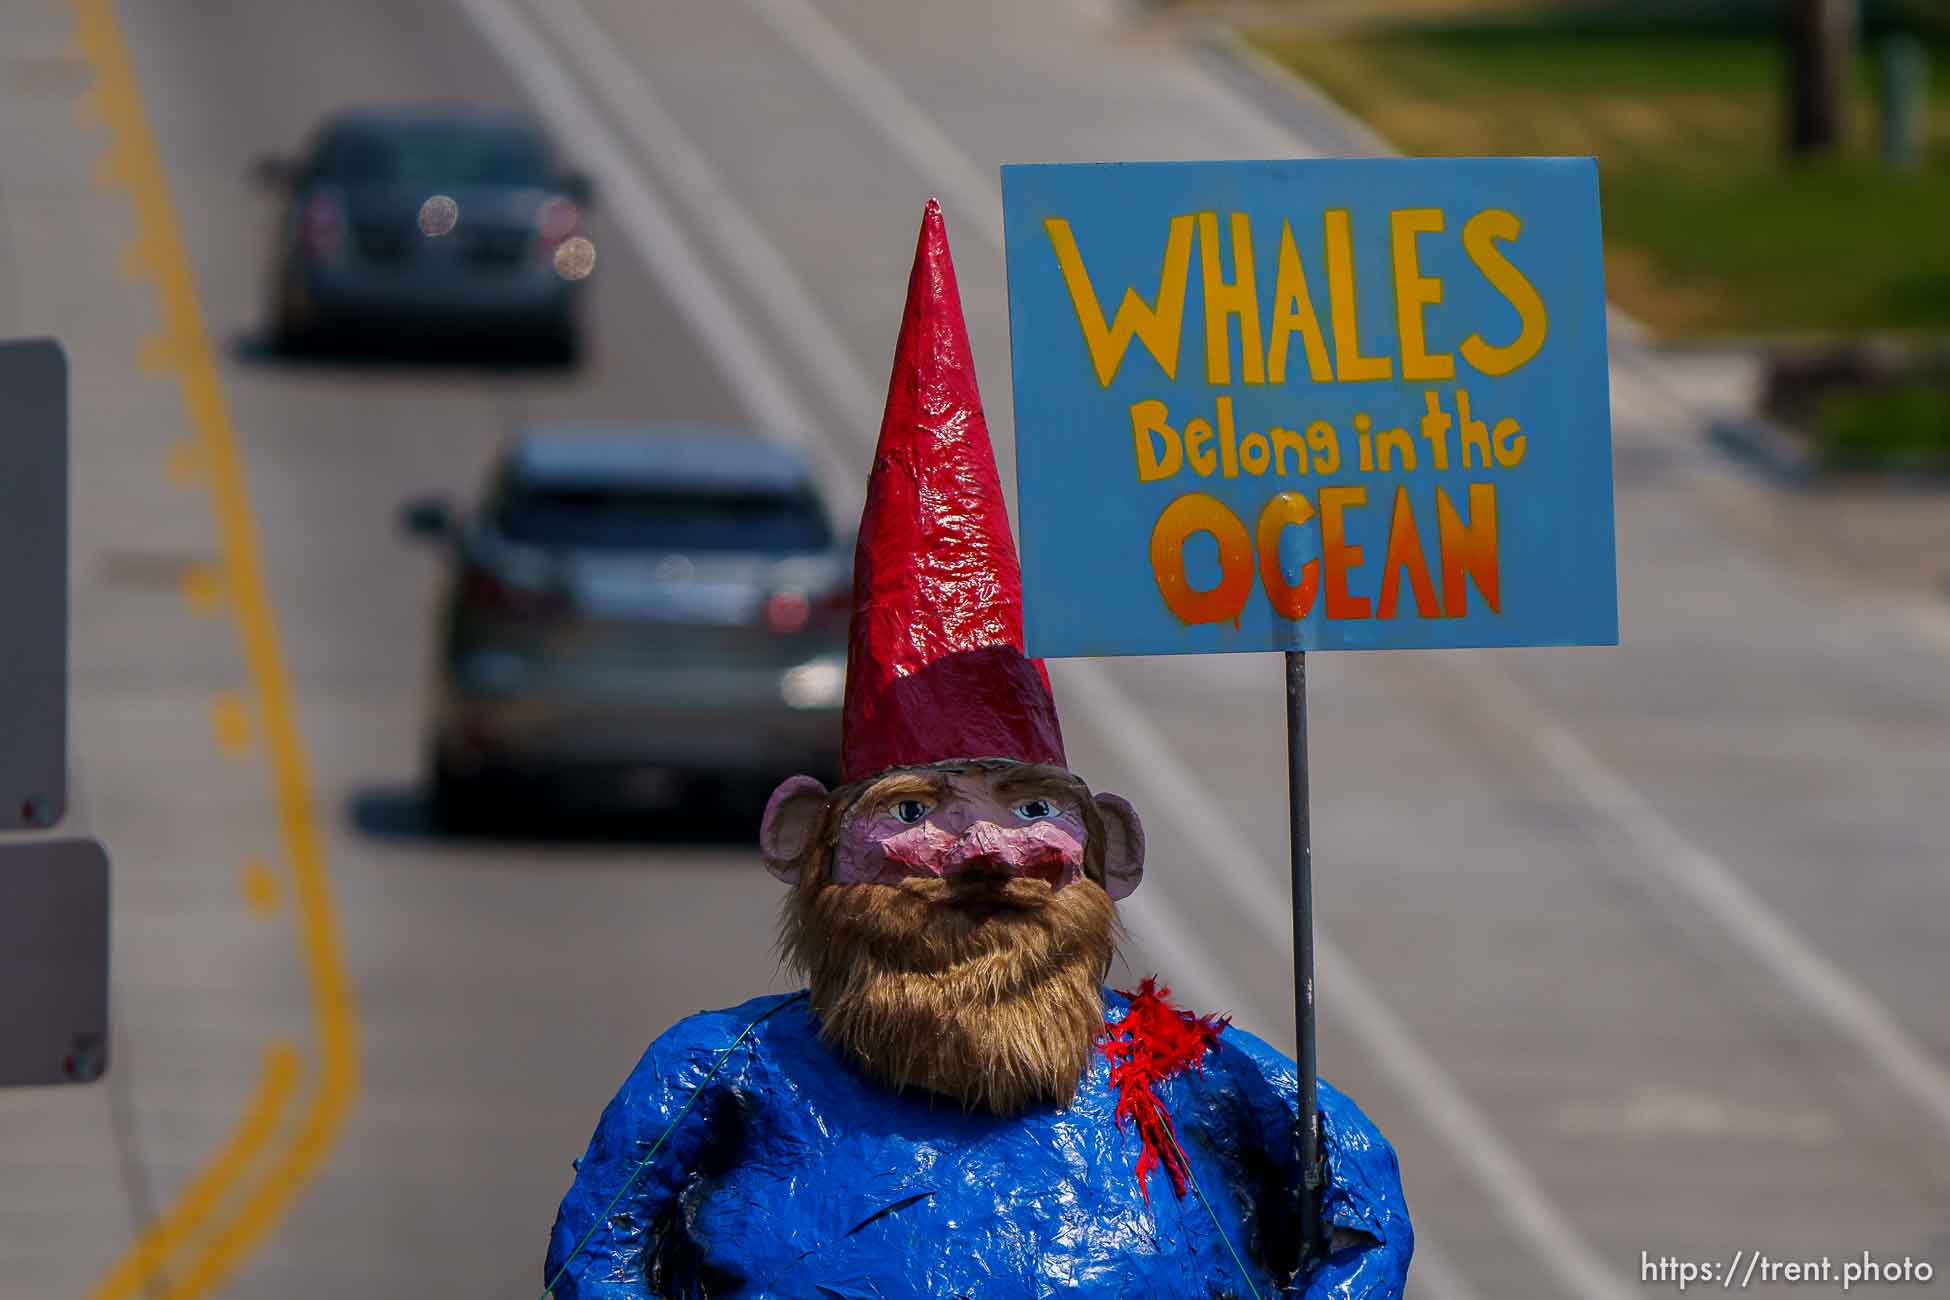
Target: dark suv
point(429, 225)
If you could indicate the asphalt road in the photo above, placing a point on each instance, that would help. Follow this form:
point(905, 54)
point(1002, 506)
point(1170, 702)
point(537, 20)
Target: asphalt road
point(1633, 950)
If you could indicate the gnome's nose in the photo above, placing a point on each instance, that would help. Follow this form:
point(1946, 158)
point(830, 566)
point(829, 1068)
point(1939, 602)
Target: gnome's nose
point(984, 849)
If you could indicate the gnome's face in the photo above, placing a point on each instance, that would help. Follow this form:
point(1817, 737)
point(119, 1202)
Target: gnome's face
point(996, 835)
point(954, 920)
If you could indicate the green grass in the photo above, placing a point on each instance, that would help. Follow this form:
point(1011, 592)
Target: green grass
point(1904, 428)
point(1709, 229)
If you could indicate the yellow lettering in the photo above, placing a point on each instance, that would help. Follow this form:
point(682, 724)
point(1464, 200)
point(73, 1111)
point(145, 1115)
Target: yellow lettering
point(1148, 428)
point(1228, 449)
point(1474, 433)
point(1350, 367)
point(1255, 453)
point(1290, 600)
point(1509, 440)
point(1390, 443)
point(1435, 428)
point(1240, 298)
point(1196, 512)
point(1157, 327)
point(1285, 440)
point(1203, 458)
point(1414, 292)
point(1327, 447)
point(1293, 309)
point(1481, 234)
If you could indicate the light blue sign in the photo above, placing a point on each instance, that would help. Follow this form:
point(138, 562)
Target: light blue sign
point(1321, 405)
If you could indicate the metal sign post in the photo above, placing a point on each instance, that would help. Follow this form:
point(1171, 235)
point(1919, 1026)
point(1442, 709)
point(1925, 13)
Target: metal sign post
point(1300, 835)
point(53, 893)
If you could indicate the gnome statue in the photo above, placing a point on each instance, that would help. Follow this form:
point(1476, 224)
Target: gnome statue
point(955, 1106)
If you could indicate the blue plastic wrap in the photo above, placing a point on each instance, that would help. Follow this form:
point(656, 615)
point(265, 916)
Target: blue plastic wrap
point(794, 1175)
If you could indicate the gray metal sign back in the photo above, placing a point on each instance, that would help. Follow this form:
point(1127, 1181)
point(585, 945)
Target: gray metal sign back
point(34, 605)
point(53, 962)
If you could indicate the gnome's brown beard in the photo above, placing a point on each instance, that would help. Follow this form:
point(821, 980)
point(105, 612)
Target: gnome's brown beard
point(998, 1009)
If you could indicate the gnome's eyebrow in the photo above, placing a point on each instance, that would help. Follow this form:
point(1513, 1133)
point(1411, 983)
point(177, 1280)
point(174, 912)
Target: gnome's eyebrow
point(1039, 781)
point(902, 785)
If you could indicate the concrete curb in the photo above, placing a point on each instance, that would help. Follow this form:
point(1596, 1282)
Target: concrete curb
point(1787, 460)
point(1766, 448)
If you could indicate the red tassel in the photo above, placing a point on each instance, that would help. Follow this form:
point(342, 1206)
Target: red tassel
point(1154, 1041)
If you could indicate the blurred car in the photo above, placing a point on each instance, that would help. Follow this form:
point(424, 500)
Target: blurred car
point(425, 224)
point(638, 615)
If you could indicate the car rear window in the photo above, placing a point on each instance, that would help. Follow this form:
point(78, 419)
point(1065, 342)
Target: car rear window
point(439, 153)
point(609, 519)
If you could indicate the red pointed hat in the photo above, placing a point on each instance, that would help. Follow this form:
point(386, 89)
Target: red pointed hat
point(934, 665)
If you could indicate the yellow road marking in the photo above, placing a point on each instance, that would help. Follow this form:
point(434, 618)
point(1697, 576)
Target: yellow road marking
point(137, 260)
point(261, 889)
point(158, 252)
point(185, 463)
point(203, 588)
point(230, 719)
point(145, 1260)
point(157, 355)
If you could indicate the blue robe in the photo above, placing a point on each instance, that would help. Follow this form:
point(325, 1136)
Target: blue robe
point(793, 1174)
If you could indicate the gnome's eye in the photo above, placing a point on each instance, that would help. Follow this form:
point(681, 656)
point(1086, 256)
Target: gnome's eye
point(909, 811)
point(1035, 810)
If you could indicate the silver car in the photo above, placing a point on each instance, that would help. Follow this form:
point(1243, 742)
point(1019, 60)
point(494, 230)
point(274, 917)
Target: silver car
point(638, 615)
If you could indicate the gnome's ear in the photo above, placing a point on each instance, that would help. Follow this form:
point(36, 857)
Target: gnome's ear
point(1123, 845)
point(792, 817)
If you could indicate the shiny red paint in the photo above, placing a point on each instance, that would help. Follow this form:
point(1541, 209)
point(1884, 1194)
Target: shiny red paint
point(935, 668)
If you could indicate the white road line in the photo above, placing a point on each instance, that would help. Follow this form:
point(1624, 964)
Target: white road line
point(1852, 1011)
point(659, 241)
point(967, 193)
point(1251, 882)
point(756, 264)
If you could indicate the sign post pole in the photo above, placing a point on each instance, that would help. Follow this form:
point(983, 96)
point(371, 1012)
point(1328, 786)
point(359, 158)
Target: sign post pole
point(1300, 835)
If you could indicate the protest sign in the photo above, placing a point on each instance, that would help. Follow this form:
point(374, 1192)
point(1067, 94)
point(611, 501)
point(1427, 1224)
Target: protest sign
point(1337, 404)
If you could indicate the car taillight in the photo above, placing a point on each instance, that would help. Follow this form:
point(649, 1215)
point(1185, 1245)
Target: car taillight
point(483, 591)
point(787, 612)
point(321, 227)
point(556, 219)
